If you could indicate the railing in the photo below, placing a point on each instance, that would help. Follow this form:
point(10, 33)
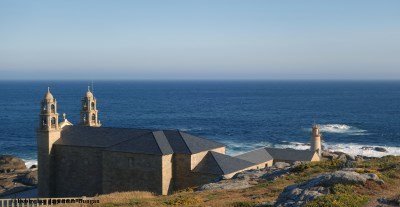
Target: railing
point(33, 202)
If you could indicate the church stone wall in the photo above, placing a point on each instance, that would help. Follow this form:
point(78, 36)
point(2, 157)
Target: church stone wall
point(184, 164)
point(45, 140)
point(181, 170)
point(167, 179)
point(77, 171)
point(128, 172)
point(196, 158)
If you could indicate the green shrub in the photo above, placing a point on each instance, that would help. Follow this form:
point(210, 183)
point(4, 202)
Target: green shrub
point(317, 167)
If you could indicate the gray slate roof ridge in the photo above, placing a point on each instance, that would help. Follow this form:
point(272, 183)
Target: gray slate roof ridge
point(242, 156)
point(212, 155)
point(158, 144)
point(228, 156)
point(107, 148)
point(308, 152)
point(201, 138)
point(184, 141)
point(264, 148)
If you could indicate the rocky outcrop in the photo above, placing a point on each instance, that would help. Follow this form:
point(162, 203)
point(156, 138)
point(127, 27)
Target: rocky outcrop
point(378, 149)
point(14, 176)
point(226, 185)
point(329, 155)
point(281, 165)
point(299, 194)
point(9, 164)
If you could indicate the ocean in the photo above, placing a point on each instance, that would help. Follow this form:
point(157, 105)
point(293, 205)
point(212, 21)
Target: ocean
point(244, 115)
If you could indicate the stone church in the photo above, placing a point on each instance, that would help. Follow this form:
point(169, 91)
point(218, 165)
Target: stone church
point(87, 159)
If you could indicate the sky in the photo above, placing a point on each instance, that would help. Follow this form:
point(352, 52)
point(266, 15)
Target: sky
point(219, 39)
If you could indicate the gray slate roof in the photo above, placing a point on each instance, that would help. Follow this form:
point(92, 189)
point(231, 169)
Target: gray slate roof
point(150, 143)
point(221, 164)
point(290, 154)
point(257, 156)
point(135, 140)
point(184, 143)
point(97, 136)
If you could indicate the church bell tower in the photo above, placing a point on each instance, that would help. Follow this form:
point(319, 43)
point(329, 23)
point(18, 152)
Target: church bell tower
point(316, 140)
point(48, 132)
point(89, 112)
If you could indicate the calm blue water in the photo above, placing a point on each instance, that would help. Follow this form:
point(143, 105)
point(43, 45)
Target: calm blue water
point(243, 115)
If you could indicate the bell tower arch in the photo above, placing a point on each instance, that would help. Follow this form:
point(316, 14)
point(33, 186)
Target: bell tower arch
point(89, 112)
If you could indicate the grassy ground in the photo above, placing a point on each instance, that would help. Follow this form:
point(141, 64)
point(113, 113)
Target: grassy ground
point(387, 168)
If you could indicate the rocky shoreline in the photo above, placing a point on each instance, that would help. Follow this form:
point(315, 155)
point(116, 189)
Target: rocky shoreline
point(15, 176)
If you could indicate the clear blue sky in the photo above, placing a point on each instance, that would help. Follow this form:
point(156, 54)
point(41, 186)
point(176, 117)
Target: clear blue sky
point(186, 39)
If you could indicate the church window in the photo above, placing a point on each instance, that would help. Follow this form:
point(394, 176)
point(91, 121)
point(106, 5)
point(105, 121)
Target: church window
point(92, 105)
point(84, 105)
point(93, 117)
point(53, 122)
point(53, 108)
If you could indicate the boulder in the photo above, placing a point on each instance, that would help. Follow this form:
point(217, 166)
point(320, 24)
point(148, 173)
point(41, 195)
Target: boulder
point(380, 149)
point(10, 163)
point(281, 165)
point(249, 175)
point(367, 148)
point(296, 163)
point(339, 177)
point(373, 177)
point(329, 155)
point(226, 185)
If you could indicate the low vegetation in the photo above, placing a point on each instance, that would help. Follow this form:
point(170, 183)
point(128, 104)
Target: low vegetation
point(387, 168)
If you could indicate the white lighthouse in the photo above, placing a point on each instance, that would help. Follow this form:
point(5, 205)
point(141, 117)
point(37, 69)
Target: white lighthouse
point(316, 140)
